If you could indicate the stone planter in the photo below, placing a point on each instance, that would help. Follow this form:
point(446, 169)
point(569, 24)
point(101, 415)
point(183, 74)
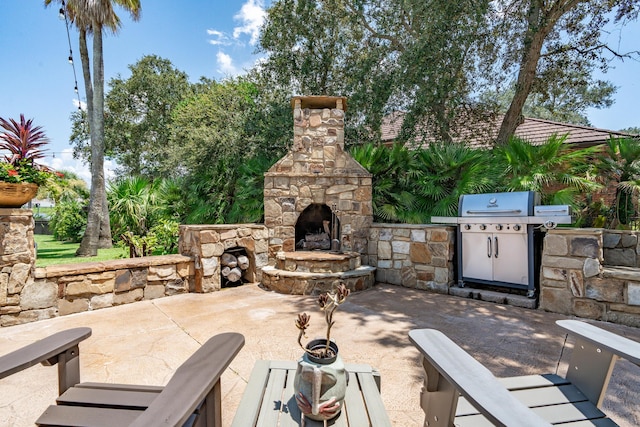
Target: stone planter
point(15, 195)
point(320, 384)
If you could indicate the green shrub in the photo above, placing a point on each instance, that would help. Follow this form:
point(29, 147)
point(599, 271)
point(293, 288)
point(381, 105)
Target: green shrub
point(68, 221)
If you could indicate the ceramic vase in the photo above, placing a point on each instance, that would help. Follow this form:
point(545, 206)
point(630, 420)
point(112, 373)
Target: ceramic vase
point(322, 383)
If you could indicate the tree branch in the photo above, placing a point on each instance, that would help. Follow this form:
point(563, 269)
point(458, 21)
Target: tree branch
point(602, 46)
point(395, 43)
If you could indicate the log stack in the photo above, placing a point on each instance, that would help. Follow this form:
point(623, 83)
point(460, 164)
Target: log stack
point(233, 266)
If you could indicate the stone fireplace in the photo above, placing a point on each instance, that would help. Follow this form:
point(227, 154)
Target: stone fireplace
point(317, 198)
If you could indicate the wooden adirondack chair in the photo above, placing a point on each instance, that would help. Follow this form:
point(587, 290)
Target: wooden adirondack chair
point(192, 397)
point(460, 391)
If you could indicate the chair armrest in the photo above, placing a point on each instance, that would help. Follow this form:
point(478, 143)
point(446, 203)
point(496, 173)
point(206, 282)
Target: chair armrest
point(192, 383)
point(594, 357)
point(43, 351)
point(463, 374)
point(620, 346)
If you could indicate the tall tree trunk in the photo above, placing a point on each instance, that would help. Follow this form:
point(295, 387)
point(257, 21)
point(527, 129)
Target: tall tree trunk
point(89, 243)
point(542, 17)
point(105, 240)
point(526, 75)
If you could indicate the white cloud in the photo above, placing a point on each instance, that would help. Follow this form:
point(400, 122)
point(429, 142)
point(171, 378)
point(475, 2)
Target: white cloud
point(220, 38)
point(77, 103)
point(251, 16)
point(65, 161)
point(225, 65)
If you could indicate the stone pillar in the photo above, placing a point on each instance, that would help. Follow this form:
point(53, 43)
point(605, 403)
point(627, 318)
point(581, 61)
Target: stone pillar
point(20, 299)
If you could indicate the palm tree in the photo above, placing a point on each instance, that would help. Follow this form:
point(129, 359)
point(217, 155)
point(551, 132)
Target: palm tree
point(556, 171)
point(621, 165)
point(91, 17)
point(134, 204)
point(394, 172)
point(448, 171)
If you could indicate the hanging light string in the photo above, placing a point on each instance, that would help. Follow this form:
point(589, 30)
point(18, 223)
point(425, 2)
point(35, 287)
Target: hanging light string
point(63, 15)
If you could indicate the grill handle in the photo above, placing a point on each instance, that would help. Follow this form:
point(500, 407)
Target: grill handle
point(494, 211)
point(546, 211)
point(489, 247)
point(495, 239)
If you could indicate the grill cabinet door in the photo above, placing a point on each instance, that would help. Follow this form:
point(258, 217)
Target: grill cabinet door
point(510, 258)
point(477, 256)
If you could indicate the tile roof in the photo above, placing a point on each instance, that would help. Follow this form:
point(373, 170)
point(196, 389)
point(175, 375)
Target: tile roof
point(536, 131)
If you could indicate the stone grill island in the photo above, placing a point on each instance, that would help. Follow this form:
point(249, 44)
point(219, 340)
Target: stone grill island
point(318, 208)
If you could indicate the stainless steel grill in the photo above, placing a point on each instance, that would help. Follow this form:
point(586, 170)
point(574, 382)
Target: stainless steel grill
point(496, 243)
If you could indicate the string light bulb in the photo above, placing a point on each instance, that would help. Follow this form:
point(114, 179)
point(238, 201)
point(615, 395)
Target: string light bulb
point(70, 59)
point(61, 14)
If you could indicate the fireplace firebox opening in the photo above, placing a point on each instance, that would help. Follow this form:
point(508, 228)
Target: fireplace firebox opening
point(318, 228)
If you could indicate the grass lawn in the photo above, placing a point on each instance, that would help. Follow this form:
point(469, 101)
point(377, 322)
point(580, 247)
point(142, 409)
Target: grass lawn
point(51, 251)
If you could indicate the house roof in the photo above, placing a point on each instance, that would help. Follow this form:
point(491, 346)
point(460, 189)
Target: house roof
point(536, 131)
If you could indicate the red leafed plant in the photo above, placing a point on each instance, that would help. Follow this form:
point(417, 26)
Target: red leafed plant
point(25, 143)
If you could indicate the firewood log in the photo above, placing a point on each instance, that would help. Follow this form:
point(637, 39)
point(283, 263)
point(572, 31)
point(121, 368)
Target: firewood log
point(234, 275)
point(243, 262)
point(229, 260)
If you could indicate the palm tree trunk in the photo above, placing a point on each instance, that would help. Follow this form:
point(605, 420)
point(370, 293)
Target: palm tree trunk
point(89, 243)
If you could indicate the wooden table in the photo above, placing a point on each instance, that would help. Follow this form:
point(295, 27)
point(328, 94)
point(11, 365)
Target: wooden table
point(268, 400)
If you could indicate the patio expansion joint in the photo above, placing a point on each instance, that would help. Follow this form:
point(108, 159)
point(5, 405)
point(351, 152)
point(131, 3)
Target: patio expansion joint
point(172, 320)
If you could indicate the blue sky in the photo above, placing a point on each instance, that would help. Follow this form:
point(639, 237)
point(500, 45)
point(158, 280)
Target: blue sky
point(210, 38)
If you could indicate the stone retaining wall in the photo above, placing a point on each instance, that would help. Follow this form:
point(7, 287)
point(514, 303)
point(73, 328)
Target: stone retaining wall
point(413, 256)
point(28, 294)
point(59, 290)
point(575, 281)
point(576, 275)
point(621, 248)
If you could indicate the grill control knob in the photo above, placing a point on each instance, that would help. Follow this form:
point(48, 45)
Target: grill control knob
point(517, 227)
point(467, 227)
point(483, 227)
point(499, 227)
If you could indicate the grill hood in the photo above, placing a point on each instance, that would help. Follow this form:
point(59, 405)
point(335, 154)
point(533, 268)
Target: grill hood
point(513, 204)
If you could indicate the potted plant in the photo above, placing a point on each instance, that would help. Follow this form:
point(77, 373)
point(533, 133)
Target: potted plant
point(20, 175)
point(320, 381)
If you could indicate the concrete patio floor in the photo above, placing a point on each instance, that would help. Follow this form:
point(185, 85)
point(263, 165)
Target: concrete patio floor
point(145, 342)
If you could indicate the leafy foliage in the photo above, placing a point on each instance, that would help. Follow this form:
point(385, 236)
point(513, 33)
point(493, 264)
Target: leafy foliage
point(69, 220)
point(248, 198)
point(140, 108)
point(394, 198)
point(448, 171)
point(25, 143)
point(141, 216)
point(621, 165)
point(559, 173)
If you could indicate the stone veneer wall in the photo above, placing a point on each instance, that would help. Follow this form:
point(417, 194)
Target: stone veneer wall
point(29, 294)
point(575, 280)
point(621, 248)
point(414, 256)
point(206, 243)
